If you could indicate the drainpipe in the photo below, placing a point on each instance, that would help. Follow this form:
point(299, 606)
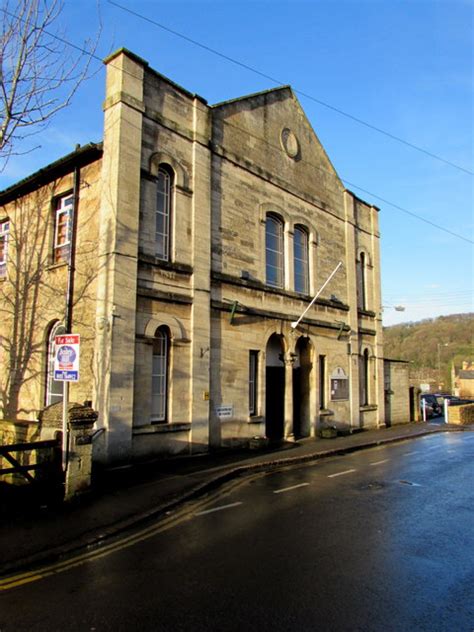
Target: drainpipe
point(351, 403)
point(72, 251)
point(69, 305)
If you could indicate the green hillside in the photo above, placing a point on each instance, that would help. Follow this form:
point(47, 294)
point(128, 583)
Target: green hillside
point(418, 342)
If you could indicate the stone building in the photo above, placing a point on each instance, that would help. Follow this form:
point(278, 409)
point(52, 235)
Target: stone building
point(463, 379)
point(183, 249)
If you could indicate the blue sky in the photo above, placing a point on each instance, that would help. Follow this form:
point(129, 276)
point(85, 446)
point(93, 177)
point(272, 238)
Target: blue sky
point(404, 66)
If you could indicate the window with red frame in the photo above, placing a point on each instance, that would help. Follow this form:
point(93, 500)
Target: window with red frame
point(62, 229)
point(4, 232)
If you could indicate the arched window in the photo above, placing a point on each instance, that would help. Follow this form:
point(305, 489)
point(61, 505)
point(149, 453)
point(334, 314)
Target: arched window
point(54, 390)
point(163, 212)
point(300, 260)
point(159, 375)
point(364, 378)
point(362, 281)
point(274, 251)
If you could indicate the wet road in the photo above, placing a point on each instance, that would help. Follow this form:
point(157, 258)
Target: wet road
point(382, 539)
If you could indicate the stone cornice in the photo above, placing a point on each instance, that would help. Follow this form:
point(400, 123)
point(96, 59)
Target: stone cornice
point(265, 313)
point(251, 284)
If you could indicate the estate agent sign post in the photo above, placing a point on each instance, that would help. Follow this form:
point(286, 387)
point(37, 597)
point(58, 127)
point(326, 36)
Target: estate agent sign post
point(66, 369)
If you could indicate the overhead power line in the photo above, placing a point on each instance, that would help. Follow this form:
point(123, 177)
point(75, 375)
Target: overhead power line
point(319, 167)
point(404, 210)
point(296, 90)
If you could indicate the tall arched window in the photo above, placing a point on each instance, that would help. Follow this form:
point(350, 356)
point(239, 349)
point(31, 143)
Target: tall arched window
point(163, 212)
point(159, 375)
point(300, 260)
point(274, 251)
point(54, 390)
point(362, 281)
point(364, 378)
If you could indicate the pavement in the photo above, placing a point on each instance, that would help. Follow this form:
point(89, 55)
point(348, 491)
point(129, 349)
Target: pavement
point(127, 497)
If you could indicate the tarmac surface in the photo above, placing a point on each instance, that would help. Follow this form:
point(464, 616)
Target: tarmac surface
point(126, 497)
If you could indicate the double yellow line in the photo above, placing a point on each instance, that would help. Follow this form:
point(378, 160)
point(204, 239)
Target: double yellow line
point(28, 577)
point(14, 581)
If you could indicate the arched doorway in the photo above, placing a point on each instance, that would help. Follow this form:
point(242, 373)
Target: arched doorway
point(301, 388)
point(274, 389)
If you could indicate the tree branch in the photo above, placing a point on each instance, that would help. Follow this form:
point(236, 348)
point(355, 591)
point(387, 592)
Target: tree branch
point(39, 71)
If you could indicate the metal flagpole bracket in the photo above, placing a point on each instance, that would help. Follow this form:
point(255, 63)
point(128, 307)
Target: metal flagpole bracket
point(295, 323)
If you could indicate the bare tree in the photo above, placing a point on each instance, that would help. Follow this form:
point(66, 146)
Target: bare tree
point(18, 300)
point(34, 294)
point(40, 71)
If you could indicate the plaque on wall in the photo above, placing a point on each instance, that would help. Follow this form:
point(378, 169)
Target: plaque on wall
point(339, 385)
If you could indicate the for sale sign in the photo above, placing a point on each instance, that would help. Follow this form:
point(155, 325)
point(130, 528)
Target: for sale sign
point(66, 358)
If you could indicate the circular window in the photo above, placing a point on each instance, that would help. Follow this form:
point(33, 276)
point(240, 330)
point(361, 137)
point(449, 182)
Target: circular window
point(290, 143)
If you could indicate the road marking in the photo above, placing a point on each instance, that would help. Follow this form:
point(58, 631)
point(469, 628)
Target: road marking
point(102, 550)
point(220, 508)
point(408, 453)
point(379, 462)
point(341, 473)
point(19, 579)
point(287, 489)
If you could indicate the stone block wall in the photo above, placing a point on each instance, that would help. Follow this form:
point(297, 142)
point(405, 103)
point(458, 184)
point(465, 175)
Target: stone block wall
point(461, 415)
point(396, 386)
point(33, 294)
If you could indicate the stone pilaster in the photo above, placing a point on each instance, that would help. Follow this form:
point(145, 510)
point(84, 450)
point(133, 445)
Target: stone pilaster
point(117, 254)
point(79, 470)
point(201, 308)
point(288, 418)
point(351, 280)
point(376, 284)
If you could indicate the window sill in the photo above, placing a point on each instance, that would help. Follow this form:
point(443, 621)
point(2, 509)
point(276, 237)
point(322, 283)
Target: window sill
point(325, 412)
point(368, 408)
point(368, 332)
point(59, 264)
point(257, 419)
point(366, 312)
point(254, 284)
point(161, 428)
point(182, 268)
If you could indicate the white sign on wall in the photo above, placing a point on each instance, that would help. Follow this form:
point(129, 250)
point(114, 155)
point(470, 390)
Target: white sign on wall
point(339, 384)
point(225, 411)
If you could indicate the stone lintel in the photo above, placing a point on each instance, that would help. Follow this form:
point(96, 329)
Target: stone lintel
point(166, 297)
point(150, 260)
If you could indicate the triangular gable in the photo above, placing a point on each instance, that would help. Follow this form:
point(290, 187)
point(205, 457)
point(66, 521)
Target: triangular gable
point(271, 131)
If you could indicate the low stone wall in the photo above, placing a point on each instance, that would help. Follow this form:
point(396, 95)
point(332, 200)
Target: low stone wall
point(461, 415)
point(81, 418)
